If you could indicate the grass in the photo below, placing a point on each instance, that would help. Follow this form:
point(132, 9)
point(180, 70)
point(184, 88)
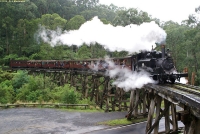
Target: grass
point(79, 110)
point(124, 121)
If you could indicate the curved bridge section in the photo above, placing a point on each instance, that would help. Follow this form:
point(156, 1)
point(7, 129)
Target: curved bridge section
point(152, 101)
point(184, 96)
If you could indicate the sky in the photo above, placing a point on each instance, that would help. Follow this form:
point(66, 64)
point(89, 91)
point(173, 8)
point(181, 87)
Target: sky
point(165, 10)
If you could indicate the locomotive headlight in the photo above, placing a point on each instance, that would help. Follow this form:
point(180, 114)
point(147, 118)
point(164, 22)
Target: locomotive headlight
point(169, 55)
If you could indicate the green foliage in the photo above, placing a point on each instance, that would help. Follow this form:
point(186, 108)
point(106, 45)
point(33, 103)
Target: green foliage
point(105, 21)
point(123, 121)
point(35, 56)
point(58, 52)
point(119, 54)
point(20, 79)
point(34, 90)
point(84, 52)
point(70, 96)
point(75, 22)
point(97, 51)
point(131, 16)
point(5, 76)
point(22, 93)
point(53, 21)
point(197, 79)
point(46, 52)
point(28, 95)
point(86, 101)
point(176, 43)
point(9, 57)
point(6, 92)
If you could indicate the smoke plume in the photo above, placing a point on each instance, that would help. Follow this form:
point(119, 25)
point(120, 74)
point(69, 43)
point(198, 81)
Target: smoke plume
point(131, 38)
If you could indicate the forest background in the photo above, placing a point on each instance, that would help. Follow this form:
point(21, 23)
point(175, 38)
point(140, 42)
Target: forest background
point(20, 21)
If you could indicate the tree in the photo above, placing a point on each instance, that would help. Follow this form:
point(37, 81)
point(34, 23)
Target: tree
point(7, 26)
point(58, 52)
point(53, 21)
point(193, 46)
point(46, 52)
point(26, 10)
point(105, 21)
point(75, 22)
point(20, 79)
point(84, 52)
point(175, 42)
point(131, 16)
point(97, 51)
point(193, 19)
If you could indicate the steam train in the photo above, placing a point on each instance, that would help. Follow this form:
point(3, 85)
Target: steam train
point(159, 65)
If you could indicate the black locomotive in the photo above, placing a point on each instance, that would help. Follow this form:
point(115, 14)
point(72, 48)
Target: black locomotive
point(159, 64)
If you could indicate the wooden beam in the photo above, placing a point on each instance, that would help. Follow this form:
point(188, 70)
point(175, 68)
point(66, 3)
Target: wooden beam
point(192, 127)
point(167, 120)
point(197, 126)
point(157, 120)
point(150, 116)
point(144, 103)
point(174, 119)
point(132, 98)
point(158, 107)
point(136, 103)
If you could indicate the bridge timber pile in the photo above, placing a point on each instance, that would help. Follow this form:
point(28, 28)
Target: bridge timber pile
point(146, 102)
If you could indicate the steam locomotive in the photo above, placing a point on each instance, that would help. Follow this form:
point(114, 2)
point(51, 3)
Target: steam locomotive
point(159, 64)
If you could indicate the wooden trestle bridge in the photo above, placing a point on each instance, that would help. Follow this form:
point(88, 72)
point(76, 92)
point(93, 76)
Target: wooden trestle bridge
point(159, 101)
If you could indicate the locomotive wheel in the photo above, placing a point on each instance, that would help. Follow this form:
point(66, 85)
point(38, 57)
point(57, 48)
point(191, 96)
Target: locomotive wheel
point(172, 80)
point(162, 81)
point(155, 77)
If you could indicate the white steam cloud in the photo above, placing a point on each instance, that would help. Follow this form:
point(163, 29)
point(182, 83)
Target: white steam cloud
point(131, 38)
point(183, 80)
point(127, 79)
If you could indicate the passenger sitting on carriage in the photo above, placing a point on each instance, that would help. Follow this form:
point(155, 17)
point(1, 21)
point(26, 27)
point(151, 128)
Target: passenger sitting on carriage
point(123, 63)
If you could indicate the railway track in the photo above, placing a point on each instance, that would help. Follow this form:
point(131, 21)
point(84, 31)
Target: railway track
point(186, 88)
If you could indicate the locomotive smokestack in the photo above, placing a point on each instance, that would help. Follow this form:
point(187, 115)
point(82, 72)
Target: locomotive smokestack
point(163, 51)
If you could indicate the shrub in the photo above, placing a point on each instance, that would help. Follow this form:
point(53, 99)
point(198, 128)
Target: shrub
point(20, 79)
point(86, 101)
point(70, 96)
point(9, 57)
point(5, 76)
point(22, 93)
point(6, 94)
